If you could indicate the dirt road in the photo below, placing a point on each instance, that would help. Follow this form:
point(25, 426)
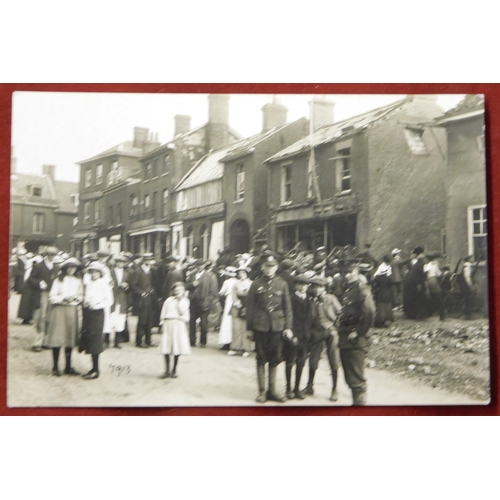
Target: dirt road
point(208, 377)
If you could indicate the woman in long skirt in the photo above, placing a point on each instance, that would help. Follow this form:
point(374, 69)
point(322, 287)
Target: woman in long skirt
point(97, 297)
point(63, 328)
point(174, 321)
point(226, 292)
point(240, 344)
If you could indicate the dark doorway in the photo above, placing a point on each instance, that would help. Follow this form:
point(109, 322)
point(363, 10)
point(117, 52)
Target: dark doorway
point(239, 236)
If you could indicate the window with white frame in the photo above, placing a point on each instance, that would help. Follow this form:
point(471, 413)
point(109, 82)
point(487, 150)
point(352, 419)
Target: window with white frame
point(148, 170)
point(415, 140)
point(165, 203)
point(478, 231)
point(204, 242)
point(98, 174)
point(343, 170)
point(88, 176)
point(166, 164)
point(38, 223)
point(240, 181)
point(97, 210)
point(86, 211)
point(147, 202)
point(37, 191)
point(134, 202)
point(286, 183)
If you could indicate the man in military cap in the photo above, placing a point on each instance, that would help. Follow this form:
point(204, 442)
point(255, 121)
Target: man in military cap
point(270, 318)
point(355, 320)
point(324, 311)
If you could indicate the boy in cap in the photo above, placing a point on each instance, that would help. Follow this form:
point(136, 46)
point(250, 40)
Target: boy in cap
point(270, 318)
point(295, 349)
point(324, 311)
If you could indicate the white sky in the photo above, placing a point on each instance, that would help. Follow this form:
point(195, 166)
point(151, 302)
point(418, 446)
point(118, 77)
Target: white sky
point(64, 128)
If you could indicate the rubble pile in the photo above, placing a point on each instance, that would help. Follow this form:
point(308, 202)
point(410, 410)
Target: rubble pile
point(452, 354)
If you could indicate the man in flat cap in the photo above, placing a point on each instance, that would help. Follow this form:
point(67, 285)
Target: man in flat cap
point(270, 318)
point(40, 281)
point(121, 278)
point(355, 319)
point(142, 285)
point(324, 311)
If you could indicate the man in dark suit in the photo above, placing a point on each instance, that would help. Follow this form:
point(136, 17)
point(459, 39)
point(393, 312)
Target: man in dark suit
point(120, 276)
point(142, 285)
point(174, 274)
point(41, 278)
point(270, 318)
point(295, 349)
point(204, 297)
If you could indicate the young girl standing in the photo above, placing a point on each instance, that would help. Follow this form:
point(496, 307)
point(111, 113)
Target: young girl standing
point(174, 319)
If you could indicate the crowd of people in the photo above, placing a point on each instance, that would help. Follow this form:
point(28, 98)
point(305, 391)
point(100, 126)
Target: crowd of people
point(284, 307)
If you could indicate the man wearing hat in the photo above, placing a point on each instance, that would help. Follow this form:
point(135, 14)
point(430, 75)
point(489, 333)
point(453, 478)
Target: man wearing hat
point(142, 285)
point(204, 297)
point(270, 318)
point(414, 291)
point(295, 349)
point(397, 275)
point(121, 285)
point(324, 311)
point(174, 275)
point(355, 320)
point(41, 278)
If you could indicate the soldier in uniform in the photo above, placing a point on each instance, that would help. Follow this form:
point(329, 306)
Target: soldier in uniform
point(270, 318)
point(355, 320)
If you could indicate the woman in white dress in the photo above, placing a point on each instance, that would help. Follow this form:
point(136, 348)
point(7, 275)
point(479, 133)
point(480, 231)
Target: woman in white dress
point(226, 293)
point(174, 321)
point(241, 343)
point(63, 328)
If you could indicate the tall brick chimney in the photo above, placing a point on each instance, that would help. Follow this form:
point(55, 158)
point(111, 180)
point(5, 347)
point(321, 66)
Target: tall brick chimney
point(49, 170)
point(141, 136)
point(182, 124)
point(273, 115)
point(218, 121)
point(321, 112)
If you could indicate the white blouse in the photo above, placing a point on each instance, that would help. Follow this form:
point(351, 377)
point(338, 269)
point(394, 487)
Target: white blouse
point(174, 308)
point(98, 294)
point(70, 287)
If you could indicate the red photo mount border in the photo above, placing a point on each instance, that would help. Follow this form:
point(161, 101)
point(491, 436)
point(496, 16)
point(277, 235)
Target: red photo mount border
point(492, 100)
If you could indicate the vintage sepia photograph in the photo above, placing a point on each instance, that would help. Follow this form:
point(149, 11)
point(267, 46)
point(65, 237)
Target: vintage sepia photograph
point(234, 250)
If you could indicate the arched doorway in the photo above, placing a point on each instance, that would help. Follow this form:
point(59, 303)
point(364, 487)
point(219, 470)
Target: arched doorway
point(239, 236)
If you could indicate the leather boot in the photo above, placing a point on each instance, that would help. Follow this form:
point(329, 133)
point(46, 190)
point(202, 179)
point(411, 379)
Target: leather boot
point(272, 395)
point(359, 396)
point(261, 379)
point(288, 372)
point(118, 336)
point(106, 340)
point(334, 396)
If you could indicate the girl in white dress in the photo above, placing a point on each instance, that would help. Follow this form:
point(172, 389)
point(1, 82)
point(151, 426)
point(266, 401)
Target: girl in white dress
point(226, 291)
point(174, 318)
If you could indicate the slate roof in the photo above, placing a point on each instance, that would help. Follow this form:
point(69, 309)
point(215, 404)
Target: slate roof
point(335, 131)
point(209, 168)
point(470, 105)
point(124, 148)
point(56, 194)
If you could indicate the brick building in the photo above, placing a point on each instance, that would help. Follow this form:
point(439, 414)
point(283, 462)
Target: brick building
point(104, 185)
point(466, 211)
point(378, 177)
point(155, 227)
point(245, 179)
point(43, 209)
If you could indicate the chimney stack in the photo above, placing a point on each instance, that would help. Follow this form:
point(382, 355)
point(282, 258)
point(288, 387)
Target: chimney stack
point(49, 170)
point(141, 135)
point(218, 121)
point(321, 112)
point(182, 124)
point(274, 115)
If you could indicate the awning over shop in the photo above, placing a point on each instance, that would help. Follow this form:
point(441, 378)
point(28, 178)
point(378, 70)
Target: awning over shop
point(153, 229)
point(80, 236)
